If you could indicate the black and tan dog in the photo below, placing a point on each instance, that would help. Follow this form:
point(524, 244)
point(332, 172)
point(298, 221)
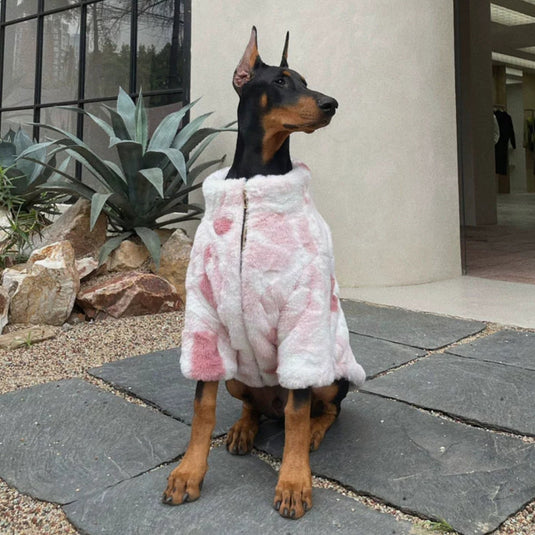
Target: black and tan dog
point(274, 103)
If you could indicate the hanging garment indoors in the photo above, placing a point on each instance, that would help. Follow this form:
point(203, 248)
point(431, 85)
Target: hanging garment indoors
point(507, 134)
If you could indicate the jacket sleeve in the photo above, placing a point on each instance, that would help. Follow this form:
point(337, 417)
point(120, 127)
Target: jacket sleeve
point(304, 331)
point(206, 352)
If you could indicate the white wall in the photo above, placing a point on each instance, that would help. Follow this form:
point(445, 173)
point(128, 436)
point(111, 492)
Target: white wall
point(385, 170)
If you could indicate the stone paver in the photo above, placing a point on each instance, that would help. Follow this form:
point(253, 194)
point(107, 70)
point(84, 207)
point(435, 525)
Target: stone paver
point(63, 439)
point(472, 478)
point(377, 356)
point(156, 379)
point(417, 329)
point(487, 393)
point(236, 498)
point(514, 348)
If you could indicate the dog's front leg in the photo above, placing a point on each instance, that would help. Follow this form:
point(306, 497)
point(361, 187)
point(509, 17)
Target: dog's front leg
point(185, 481)
point(293, 494)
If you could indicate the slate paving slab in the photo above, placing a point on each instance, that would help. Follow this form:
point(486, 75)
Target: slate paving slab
point(377, 356)
point(236, 498)
point(63, 439)
point(156, 379)
point(514, 348)
point(417, 329)
point(497, 396)
point(472, 478)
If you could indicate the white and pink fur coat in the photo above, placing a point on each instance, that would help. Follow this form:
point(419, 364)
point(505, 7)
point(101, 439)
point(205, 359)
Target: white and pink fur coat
point(262, 301)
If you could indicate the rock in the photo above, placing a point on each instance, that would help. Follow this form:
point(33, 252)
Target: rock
point(86, 266)
point(4, 223)
point(45, 291)
point(4, 307)
point(27, 337)
point(174, 261)
point(129, 256)
point(129, 294)
point(73, 225)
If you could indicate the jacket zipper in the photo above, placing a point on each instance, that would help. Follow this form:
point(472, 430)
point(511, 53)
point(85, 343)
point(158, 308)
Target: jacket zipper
point(243, 228)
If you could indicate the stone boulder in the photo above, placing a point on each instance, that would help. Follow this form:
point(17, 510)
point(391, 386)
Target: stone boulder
point(129, 294)
point(73, 225)
point(4, 308)
point(129, 256)
point(44, 292)
point(174, 261)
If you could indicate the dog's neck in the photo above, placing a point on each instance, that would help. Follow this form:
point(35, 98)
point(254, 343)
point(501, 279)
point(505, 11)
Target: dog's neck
point(252, 146)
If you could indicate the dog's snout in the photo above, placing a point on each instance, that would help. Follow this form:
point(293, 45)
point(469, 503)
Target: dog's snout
point(327, 104)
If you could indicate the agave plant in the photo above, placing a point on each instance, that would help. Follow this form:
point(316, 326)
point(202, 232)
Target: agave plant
point(153, 180)
point(25, 177)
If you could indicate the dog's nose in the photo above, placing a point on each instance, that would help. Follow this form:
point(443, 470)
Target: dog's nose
point(327, 104)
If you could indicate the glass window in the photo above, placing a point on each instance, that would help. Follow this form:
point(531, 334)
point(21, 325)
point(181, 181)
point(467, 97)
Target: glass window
point(61, 39)
point(54, 4)
point(131, 44)
point(15, 119)
point(18, 87)
point(16, 9)
point(160, 46)
point(108, 48)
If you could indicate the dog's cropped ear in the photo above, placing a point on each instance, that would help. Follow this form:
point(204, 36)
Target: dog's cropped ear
point(245, 69)
point(284, 60)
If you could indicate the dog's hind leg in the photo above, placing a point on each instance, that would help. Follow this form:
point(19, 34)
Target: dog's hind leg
point(293, 493)
point(325, 409)
point(241, 435)
point(185, 482)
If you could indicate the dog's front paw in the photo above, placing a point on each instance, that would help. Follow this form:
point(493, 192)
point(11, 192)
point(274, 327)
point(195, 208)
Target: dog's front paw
point(241, 435)
point(293, 494)
point(183, 486)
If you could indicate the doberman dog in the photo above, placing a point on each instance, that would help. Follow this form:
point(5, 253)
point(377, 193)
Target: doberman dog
point(274, 103)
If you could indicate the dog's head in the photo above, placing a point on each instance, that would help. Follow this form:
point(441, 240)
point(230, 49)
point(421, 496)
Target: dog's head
point(286, 103)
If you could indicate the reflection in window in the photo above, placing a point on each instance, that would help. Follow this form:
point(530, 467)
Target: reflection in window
point(19, 64)
point(160, 48)
point(53, 4)
point(108, 48)
point(60, 56)
point(15, 9)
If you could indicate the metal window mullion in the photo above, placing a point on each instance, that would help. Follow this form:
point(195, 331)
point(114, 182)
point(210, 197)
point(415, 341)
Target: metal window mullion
point(38, 67)
point(133, 47)
point(2, 46)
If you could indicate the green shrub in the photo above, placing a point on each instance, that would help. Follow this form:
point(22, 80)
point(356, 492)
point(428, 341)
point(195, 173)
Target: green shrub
point(153, 180)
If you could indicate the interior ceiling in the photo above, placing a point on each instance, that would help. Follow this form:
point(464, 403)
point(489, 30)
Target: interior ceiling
point(513, 34)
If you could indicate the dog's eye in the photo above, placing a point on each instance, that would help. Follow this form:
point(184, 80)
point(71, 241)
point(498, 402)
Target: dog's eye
point(280, 81)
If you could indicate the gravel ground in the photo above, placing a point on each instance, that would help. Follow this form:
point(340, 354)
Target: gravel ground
point(80, 347)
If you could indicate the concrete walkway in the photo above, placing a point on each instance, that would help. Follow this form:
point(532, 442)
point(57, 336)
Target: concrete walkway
point(439, 431)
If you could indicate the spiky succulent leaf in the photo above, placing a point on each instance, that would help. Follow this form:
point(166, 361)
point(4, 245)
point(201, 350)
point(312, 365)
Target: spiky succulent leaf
point(152, 242)
point(142, 123)
point(184, 135)
point(127, 110)
point(98, 200)
point(155, 176)
point(111, 245)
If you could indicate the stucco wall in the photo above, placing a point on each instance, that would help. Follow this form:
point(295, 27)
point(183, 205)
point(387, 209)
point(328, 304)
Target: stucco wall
point(385, 170)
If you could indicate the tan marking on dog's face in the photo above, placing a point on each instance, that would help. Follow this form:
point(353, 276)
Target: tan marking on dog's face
point(264, 101)
point(279, 123)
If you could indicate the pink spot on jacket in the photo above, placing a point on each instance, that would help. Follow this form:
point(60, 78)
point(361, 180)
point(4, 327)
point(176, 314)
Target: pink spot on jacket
point(262, 306)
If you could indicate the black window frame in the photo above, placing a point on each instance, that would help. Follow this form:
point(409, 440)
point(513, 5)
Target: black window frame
point(81, 101)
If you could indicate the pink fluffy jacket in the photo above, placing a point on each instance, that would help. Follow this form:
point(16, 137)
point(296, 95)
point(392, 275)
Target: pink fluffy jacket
point(262, 304)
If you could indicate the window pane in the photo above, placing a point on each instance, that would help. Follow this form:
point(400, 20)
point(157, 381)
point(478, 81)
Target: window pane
point(19, 64)
point(16, 9)
point(14, 119)
point(108, 48)
point(60, 56)
point(53, 4)
point(160, 44)
point(156, 112)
